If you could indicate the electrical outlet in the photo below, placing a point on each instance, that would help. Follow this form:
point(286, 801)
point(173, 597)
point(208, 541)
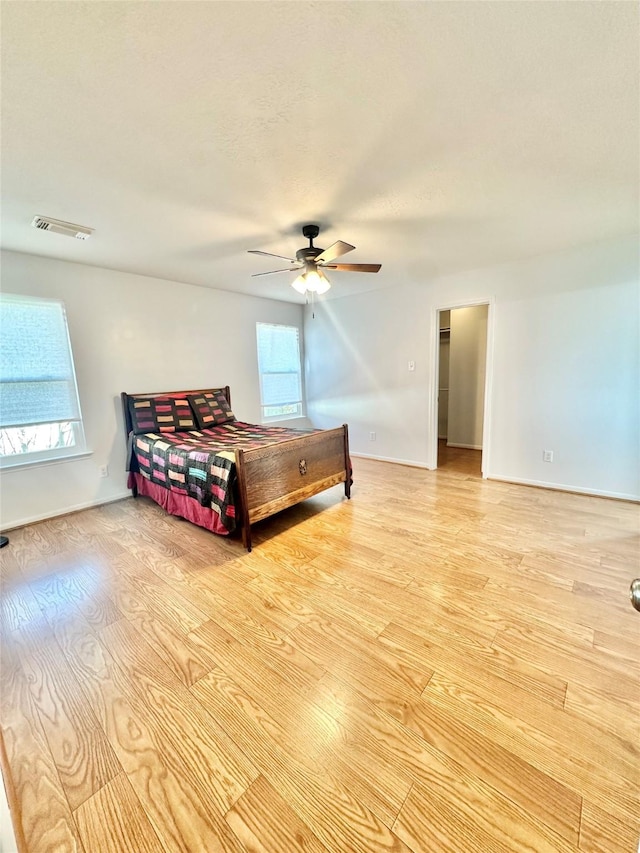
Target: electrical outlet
point(103, 470)
point(547, 455)
point(372, 436)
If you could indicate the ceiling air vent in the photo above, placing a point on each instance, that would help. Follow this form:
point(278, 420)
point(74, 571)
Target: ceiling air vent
point(46, 223)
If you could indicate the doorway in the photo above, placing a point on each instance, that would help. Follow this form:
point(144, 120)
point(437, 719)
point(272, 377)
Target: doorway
point(460, 382)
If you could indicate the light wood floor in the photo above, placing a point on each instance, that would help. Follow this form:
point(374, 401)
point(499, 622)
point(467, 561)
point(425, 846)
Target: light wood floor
point(441, 664)
point(459, 459)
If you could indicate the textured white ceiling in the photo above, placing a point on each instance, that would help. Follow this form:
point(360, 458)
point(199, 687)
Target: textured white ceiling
point(433, 136)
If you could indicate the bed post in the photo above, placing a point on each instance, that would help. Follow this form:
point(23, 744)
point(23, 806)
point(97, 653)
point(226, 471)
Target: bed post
point(128, 428)
point(347, 462)
point(242, 490)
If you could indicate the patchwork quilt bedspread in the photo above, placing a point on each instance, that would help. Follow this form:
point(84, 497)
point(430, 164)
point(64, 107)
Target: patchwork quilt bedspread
point(201, 464)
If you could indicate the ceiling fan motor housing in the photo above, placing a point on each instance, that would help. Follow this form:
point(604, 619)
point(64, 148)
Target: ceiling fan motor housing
point(310, 252)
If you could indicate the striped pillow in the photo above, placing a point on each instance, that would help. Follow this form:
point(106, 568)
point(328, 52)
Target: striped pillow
point(161, 414)
point(211, 409)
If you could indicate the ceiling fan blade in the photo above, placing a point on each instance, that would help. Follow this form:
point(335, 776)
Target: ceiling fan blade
point(271, 272)
point(271, 255)
point(334, 251)
point(352, 267)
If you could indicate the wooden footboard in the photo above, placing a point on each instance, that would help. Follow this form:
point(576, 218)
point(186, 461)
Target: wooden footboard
point(273, 478)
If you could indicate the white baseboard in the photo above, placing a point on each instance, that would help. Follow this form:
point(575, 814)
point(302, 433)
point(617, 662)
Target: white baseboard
point(465, 446)
point(66, 511)
point(412, 463)
point(559, 487)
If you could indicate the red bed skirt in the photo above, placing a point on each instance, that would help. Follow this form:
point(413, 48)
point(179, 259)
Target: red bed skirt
point(176, 504)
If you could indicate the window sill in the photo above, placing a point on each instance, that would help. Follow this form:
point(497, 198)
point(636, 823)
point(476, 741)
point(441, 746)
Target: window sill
point(279, 418)
point(43, 462)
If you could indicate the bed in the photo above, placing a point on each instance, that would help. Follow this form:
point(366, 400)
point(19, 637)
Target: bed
point(187, 451)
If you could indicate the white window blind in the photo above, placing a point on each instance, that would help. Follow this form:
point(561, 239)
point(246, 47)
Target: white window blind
point(39, 409)
point(280, 370)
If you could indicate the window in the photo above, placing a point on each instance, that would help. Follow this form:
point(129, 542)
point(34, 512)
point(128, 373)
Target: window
point(280, 372)
point(39, 409)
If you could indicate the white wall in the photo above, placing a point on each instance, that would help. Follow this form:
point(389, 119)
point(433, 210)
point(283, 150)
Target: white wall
point(132, 333)
point(467, 363)
point(566, 367)
point(358, 350)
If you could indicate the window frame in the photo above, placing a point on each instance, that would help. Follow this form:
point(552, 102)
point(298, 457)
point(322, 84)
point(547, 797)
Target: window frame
point(52, 454)
point(299, 373)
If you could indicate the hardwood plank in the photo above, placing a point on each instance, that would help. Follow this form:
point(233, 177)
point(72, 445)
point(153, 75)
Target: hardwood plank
point(174, 647)
point(410, 672)
point(383, 683)
point(303, 730)
point(282, 597)
point(322, 800)
point(431, 823)
point(552, 606)
point(626, 644)
point(533, 742)
point(178, 721)
point(147, 546)
point(18, 605)
point(113, 821)
point(601, 832)
point(260, 603)
point(238, 609)
point(163, 599)
point(364, 560)
point(615, 594)
point(74, 588)
point(79, 643)
point(401, 749)
point(535, 604)
point(359, 591)
point(174, 796)
point(44, 815)
point(536, 792)
point(572, 662)
point(445, 615)
point(264, 822)
point(84, 759)
point(489, 669)
point(615, 716)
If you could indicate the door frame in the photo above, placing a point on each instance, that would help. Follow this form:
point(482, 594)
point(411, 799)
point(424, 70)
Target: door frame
point(432, 438)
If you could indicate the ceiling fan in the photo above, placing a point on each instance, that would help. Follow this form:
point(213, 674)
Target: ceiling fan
point(315, 261)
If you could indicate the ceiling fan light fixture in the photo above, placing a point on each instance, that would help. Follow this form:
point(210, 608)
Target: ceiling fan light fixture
point(311, 281)
point(317, 281)
point(300, 284)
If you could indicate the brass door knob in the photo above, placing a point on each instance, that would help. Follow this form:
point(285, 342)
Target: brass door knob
point(634, 593)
